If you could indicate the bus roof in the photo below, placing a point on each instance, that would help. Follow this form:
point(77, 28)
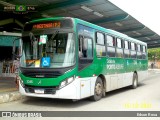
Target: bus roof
point(112, 32)
point(48, 19)
point(109, 31)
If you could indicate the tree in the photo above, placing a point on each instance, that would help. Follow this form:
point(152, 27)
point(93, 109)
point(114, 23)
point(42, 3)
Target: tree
point(154, 54)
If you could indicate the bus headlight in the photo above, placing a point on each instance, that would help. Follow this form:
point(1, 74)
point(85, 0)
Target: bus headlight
point(66, 82)
point(21, 82)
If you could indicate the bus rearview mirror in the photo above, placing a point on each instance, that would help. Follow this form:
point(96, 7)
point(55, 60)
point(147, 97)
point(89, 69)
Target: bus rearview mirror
point(17, 48)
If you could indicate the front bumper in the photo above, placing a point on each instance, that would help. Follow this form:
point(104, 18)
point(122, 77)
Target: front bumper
point(71, 91)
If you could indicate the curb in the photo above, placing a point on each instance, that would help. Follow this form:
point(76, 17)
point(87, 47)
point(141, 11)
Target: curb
point(10, 96)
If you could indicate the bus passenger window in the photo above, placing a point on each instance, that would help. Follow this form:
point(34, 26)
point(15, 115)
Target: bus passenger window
point(110, 46)
point(126, 49)
point(85, 48)
point(100, 45)
point(100, 38)
point(138, 48)
point(144, 54)
point(119, 48)
point(144, 49)
point(133, 50)
point(139, 53)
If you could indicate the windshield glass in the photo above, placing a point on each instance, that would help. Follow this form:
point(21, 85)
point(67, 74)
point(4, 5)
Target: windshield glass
point(48, 50)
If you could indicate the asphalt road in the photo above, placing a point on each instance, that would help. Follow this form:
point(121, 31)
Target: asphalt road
point(145, 98)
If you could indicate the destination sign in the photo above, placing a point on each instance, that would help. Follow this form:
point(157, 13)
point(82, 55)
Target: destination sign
point(47, 25)
point(41, 24)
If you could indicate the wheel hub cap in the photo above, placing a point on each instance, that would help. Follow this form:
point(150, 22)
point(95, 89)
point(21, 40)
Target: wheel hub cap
point(98, 89)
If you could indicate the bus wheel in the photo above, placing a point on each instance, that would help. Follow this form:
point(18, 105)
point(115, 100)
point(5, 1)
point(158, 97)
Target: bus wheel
point(135, 81)
point(98, 90)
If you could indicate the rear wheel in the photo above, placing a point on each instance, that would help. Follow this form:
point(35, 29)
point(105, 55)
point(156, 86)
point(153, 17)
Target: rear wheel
point(98, 90)
point(135, 81)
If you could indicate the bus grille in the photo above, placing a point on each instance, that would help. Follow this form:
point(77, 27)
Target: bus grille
point(46, 90)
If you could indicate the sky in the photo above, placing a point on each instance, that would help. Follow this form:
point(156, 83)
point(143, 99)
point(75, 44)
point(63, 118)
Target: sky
point(145, 11)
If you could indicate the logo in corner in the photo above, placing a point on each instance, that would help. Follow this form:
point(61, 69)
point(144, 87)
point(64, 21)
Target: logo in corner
point(39, 82)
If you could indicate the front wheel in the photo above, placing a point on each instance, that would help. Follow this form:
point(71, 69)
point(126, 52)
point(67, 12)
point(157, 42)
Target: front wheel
point(98, 90)
point(135, 81)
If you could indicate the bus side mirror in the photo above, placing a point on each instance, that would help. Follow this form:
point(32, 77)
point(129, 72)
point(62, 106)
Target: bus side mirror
point(17, 48)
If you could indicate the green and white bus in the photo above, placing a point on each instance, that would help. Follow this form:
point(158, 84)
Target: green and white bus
point(68, 58)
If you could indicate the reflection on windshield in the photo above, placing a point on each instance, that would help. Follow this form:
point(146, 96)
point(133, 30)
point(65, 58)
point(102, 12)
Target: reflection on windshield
point(48, 51)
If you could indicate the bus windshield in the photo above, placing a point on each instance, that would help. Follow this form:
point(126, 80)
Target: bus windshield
point(48, 50)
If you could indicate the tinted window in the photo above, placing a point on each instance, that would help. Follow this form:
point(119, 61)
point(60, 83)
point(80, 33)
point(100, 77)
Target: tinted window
point(133, 46)
point(138, 47)
point(127, 53)
point(139, 53)
point(144, 49)
point(111, 51)
point(119, 52)
point(144, 53)
point(126, 49)
point(133, 50)
point(110, 46)
point(126, 45)
point(110, 41)
point(133, 54)
point(100, 38)
point(119, 43)
point(101, 51)
point(85, 48)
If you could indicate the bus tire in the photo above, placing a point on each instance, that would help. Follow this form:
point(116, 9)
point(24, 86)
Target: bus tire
point(135, 81)
point(98, 90)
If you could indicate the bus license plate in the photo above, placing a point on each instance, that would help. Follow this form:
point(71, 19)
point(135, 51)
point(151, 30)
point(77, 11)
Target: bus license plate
point(39, 91)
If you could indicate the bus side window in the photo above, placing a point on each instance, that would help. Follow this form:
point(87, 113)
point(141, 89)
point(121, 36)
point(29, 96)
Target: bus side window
point(139, 53)
point(100, 44)
point(126, 49)
point(119, 52)
point(133, 50)
point(144, 54)
point(85, 47)
point(110, 46)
